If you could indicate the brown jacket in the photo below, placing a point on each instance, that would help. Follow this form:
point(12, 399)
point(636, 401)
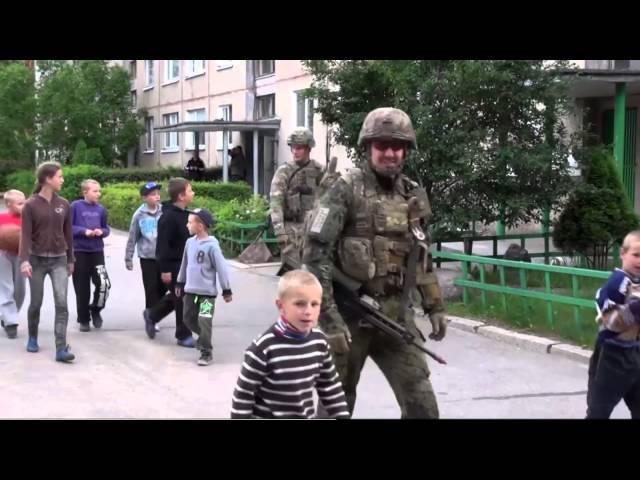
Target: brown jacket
point(46, 228)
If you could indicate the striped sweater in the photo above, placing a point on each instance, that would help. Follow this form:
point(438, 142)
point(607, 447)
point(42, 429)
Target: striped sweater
point(279, 374)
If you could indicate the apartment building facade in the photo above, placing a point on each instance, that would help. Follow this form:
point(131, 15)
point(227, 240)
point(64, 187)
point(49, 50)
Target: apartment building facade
point(172, 92)
point(606, 100)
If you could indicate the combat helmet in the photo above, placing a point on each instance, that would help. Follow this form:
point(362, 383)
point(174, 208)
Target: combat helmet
point(301, 136)
point(387, 124)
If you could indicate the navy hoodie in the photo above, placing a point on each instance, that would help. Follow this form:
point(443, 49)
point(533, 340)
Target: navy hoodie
point(88, 216)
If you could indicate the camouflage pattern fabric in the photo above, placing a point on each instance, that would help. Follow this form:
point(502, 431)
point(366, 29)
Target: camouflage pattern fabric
point(354, 211)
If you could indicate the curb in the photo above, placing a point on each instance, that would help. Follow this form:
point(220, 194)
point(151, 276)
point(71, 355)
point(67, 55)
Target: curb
point(526, 342)
point(246, 266)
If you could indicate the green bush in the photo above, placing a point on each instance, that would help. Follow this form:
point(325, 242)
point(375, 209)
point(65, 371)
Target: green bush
point(87, 156)
point(254, 210)
point(7, 167)
point(223, 191)
point(74, 175)
point(251, 210)
point(122, 199)
point(22, 180)
point(598, 213)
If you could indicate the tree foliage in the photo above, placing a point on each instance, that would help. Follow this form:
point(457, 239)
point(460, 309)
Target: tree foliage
point(491, 142)
point(86, 101)
point(597, 213)
point(17, 113)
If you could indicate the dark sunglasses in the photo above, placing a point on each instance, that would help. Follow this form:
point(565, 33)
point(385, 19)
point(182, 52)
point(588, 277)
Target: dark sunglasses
point(383, 145)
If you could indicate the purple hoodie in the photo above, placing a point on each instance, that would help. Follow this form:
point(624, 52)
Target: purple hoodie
point(88, 216)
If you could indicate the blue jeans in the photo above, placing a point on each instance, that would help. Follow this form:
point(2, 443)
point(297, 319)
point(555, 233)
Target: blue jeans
point(56, 268)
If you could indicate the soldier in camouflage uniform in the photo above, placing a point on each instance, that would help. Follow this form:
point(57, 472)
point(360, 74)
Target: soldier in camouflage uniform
point(292, 192)
point(366, 224)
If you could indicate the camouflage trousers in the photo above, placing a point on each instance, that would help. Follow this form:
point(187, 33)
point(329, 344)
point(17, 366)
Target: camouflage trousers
point(405, 367)
point(294, 245)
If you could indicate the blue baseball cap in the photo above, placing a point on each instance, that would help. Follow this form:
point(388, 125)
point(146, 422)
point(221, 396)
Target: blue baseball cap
point(204, 215)
point(149, 187)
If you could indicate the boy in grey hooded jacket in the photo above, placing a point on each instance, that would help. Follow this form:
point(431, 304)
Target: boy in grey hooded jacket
point(143, 234)
point(201, 262)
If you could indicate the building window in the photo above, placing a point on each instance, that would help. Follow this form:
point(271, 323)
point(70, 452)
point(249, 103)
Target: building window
point(149, 74)
point(148, 126)
point(224, 113)
point(265, 67)
point(195, 67)
point(266, 106)
point(608, 64)
point(133, 69)
point(170, 138)
point(222, 64)
point(171, 70)
point(134, 98)
point(304, 110)
point(621, 64)
point(199, 115)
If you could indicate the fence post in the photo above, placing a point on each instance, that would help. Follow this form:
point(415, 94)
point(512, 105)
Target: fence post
point(503, 283)
point(546, 248)
point(467, 240)
point(495, 252)
point(465, 275)
point(483, 292)
point(523, 284)
point(575, 290)
point(547, 289)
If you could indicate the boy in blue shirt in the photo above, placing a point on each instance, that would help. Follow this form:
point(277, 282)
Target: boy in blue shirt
point(89, 225)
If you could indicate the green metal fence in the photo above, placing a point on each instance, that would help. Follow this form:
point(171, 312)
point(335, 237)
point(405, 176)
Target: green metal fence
point(235, 237)
point(468, 241)
point(574, 298)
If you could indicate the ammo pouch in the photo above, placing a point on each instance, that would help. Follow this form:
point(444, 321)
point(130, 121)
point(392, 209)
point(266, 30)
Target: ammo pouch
point(427, 284)
point(293, 207)
point(391, 218)
point(306, 202)
point(389, 255)
point(357, 258)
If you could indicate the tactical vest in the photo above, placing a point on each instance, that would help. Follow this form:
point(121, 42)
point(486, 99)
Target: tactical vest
point(377, 237)
point(301, 186)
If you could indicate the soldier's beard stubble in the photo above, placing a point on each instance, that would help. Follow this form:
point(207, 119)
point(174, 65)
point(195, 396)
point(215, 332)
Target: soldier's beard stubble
point(386, 170)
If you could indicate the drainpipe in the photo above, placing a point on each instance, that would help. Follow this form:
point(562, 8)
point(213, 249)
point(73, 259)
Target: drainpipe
point(619, 127)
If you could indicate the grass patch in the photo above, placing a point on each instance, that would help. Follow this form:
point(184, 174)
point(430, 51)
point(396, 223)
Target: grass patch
point(573, 324)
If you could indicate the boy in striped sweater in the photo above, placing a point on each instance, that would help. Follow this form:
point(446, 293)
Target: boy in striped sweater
point(284, 365)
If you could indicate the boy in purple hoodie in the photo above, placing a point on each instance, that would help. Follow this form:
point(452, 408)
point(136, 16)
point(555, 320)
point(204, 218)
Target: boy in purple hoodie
point(89, 220)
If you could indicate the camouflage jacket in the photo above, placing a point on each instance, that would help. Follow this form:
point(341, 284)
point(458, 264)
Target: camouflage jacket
point(364, 230)
point(292, 193)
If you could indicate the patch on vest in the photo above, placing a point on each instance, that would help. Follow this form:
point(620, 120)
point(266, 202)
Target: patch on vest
point(321, 217)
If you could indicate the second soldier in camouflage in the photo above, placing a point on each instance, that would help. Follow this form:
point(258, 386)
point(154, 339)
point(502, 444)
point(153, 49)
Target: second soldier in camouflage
point(292, 191)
